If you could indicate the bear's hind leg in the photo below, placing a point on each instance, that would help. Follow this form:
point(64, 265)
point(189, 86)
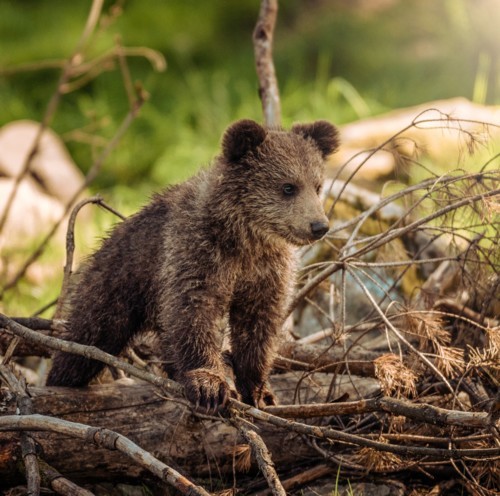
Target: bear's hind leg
point(72, 370)
point(77, 371)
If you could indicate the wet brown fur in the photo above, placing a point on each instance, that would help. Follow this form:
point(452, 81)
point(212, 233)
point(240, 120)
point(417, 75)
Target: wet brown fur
point(218, 247)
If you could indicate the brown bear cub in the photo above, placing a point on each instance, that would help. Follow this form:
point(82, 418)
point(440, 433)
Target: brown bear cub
point(216, 250)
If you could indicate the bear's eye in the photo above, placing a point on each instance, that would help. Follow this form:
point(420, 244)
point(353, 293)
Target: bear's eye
point(318, 189)
point(289, 189)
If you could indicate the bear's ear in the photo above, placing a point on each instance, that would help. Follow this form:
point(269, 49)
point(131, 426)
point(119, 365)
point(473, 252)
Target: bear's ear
point(324, 134)
point(240, 138)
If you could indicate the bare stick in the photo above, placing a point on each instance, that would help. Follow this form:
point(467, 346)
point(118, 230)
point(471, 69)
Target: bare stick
point(60, 484)
point(104, 438)
point(263, 50)
point(345, 437)
point(70, 249)
point(428, 414)
point(88, 352)
point(261, 455)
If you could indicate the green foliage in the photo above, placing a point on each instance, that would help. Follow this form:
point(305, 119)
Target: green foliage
point(43, 281)
point(332, 62)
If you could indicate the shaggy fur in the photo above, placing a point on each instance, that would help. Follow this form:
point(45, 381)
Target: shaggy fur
point(216, 249)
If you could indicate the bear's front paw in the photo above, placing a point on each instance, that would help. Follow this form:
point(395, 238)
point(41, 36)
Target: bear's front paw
point(207, 389)
point(259, 396)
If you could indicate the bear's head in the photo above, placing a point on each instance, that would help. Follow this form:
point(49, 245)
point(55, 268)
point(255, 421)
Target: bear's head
point(277, 176)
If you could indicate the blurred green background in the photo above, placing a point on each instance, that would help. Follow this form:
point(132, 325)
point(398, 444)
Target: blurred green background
point(335, 59)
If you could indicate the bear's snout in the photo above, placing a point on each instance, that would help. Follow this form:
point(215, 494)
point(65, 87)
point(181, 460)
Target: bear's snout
point(319, 229)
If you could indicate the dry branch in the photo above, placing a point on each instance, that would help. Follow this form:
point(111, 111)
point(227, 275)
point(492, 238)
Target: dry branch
point(53, 479)
point(421, 412)
point(343, 437)
point(104, 438)
point(263, 48)
point(262, 456)
point(70, 249)
point(88, 352)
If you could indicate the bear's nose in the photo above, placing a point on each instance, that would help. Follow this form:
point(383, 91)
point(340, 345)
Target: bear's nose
point(319, 229)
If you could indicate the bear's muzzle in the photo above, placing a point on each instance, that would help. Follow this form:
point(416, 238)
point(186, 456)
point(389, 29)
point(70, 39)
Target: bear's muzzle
point(319, 229)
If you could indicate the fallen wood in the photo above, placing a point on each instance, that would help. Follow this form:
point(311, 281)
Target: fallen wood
point(165, 427)
point(198, 444)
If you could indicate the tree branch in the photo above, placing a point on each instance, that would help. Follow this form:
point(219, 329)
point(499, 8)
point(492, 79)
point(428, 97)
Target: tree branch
point(104, 438)
point(263, 49)
point(262, 456)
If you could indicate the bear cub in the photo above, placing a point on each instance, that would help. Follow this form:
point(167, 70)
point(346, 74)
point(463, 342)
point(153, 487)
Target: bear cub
point(213, 252)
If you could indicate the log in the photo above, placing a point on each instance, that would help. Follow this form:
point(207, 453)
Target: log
point(165, 427)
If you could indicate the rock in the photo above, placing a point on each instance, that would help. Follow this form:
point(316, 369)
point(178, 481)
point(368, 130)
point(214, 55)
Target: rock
point(32, 213)
point(434, 136)
point(51, 166)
